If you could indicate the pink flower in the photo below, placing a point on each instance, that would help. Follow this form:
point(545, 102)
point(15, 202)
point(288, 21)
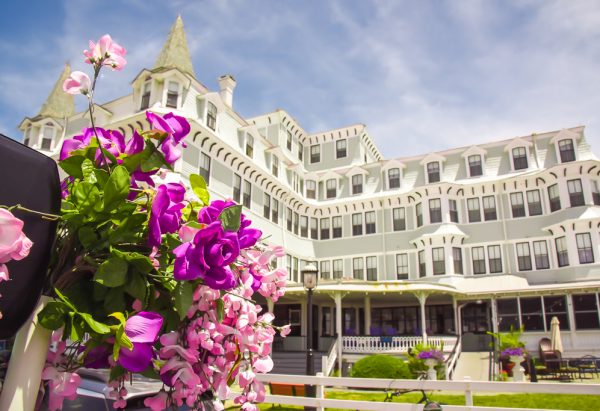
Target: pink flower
point(62, 385)
point(14, 245)
point(285, 330)
point(106, 53)
point(158, 402)
point(77, 83)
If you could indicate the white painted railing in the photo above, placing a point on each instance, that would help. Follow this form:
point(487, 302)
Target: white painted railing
point(467, 387)
point(400, 344)
point(328, 361)
point(451, 364)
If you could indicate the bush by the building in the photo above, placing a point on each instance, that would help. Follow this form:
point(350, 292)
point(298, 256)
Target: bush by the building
point(381, 366)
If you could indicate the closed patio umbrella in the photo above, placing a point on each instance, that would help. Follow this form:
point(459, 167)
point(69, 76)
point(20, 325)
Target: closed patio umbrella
point(555, 340)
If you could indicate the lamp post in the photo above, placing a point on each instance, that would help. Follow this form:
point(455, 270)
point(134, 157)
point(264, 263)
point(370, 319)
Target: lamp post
point(309, 280)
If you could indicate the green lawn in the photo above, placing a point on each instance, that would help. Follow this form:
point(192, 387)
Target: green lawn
point(539, 401)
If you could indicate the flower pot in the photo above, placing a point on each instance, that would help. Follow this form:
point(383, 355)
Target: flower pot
point(431, 372)
point(518, 371)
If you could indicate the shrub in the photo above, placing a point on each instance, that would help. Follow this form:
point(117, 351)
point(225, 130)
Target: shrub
point(381, 366)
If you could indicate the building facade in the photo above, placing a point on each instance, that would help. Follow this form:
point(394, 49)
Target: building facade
point(458, 242)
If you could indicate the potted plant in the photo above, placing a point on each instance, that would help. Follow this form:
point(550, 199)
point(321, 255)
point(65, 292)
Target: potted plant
point(432, 357)
point(511, 348)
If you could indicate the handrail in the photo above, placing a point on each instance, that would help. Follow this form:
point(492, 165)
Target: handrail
point(328, 361)
point(452, 359)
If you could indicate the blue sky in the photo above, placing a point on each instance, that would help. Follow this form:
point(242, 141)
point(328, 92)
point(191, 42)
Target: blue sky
point(422, 75)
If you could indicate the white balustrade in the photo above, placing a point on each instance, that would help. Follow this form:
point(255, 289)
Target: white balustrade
point(395, 344)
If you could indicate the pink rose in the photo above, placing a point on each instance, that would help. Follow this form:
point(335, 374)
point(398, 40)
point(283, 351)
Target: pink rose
point(14, 245)
point(77, 83)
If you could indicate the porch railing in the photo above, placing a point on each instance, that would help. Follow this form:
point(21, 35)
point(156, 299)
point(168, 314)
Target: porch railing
point(392, 344)
point(328, 361)
point(453, 359)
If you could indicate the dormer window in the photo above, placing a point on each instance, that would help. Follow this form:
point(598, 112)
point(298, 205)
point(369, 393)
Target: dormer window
point(249, 145)
point(275, 166)
point(341, 149)
point(331, 188)
point(211, 116)
point(357, 184)
point(289, 140)
point(519, 155)
point(315, 153)
point(172, 94)
point(475, 169)
point(433, 172)
point(567, 150)
point(394, 178)
point(47, 137)
point(311, 189)
point(146, 95)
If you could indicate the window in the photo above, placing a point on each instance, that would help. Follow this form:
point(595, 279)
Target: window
point(575, 193)
point(288, 265)
point(300, 151)
point(399, 219)
point(435, 210)
point(534, 203)
point(288, 219)
point(267, 206)
point(146, 95)
point(433, 172)
point(531, 314)
point(357, 184)
point(237, 188)
point(275, 166)
point(325, 229)
point(540, 254)
point(311, 189)
point(172, 94)
point(394, 178)
point(567, 151)
point(325, 270)
point(370, 222)
point(494, 258)
point(27, 136)
point(341, 149)
point(358, 271)
point(453, 211)
point(517, 204)
point(584, 248)
point(519, 158)
point(554, 197)
point(439, 263)
point(211, 116)
point(303, 226)
point(275, 211)
point(422, 264)
point(295, 270)
point(331, 187)
point(523, 256)
point(301, 185)
point(296, 223)
point(556, 306)
point(562, 254)
point(338, 268)
point(402, 266)
point(249, 145)
point(357, 224)
point(473, 209)
point(205, 167)
point(457, 259)
point(372, 268)
point(314, 228)
point(478, 255)
point(47, 137)
point(585, 307)
point(289, 140)
point(595, 193)
point(315, 153)
point(337, 227)
point(247, 193)
point(489, 208)
point(508, 314)
point(475, 168)
point(419, 214)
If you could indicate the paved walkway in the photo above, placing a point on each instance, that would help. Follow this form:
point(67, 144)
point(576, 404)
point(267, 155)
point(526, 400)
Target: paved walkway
point(475, 365)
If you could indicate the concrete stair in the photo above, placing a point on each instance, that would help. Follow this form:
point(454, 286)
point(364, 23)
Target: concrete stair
point(475, 365)
point(294, 362)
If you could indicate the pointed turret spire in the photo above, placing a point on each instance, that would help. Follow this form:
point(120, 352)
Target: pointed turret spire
point(175, 52)
point(59, 104)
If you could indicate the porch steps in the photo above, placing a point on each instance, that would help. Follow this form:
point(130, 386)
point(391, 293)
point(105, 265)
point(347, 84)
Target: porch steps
point(294, 362)
point(475, 365)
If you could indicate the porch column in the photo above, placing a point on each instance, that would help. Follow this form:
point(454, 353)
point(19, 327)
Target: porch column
point(571, 314)
point(270, 305)
point(494, 305)
point(455, 311)
point(422, 298)
point(367, 314)
point(338, 327)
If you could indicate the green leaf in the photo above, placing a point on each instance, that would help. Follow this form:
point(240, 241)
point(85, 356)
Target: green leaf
point(114, 300)
point(96, 326)
point(116, 188)
point(136, 286)
point(117, 371)
point(123, 339)
point(220, 310)
point(87, 236)
point(112, 272)
point(119, 316)
point(183, 293)
point(52, 315)
point(128, 229)
point(65, 300)
point(139, 261)
point(87, 169)
point(230, 218)
point(102, 176)
point(72, 165)
point(150, 372)
point(87, 196)
point(77, 328)
point(200, 188)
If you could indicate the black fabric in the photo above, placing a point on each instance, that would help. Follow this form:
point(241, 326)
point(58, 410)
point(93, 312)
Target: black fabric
point(29, 178)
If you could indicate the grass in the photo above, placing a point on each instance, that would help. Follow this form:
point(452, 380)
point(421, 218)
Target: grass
point(536, 401)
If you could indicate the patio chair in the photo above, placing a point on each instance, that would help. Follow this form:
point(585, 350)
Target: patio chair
point(588, 364)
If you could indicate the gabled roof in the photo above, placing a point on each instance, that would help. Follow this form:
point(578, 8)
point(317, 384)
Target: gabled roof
point(562, 134)
point(517, 142)
point(432, 157)
point(473, 150)
point(59, 104)
point(175, 52)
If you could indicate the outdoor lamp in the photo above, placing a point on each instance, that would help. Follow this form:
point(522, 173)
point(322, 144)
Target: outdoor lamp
point(309, 280)
point(309, 276)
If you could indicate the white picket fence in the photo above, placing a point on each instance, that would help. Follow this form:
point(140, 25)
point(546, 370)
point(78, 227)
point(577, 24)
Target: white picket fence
point(466, 387)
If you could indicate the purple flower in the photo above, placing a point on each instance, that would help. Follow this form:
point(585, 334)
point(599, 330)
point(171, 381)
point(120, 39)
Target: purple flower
point(111, 140)
point(208, 257)
point(518, 351)
point(247, 237)
point(97, 357)
point(165, 216)
point(175, 127)
point(431, 354)
point(142, 329)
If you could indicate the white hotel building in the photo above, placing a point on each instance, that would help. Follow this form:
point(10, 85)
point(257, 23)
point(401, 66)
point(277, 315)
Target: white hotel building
point(457, 242)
